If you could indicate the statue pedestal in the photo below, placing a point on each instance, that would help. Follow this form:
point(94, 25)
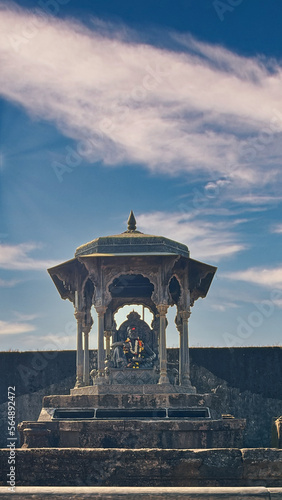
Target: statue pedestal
point(141, 416)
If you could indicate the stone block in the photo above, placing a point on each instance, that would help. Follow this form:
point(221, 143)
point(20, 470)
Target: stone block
point(261, 464)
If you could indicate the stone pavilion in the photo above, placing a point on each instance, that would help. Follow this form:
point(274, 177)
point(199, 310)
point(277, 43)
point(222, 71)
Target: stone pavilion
point(126, 269)
point(132, 398)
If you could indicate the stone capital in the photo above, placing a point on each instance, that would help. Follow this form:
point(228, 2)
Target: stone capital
point(162, 309)
point(86, 329)
point(100, 310)
point(185, 315)
point(108, 333)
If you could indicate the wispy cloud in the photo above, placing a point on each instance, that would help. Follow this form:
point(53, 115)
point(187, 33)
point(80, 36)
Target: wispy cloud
point(205, 240)
point(277, 228)
point(8, 283)
point(224, 306)
point(269, 277)
point(259, 200)
point(15, 257)
point(199, 108)
point(14, 328)
point(49, 342)
point(25, 317)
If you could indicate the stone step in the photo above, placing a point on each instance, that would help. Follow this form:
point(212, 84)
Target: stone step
point(133, 493)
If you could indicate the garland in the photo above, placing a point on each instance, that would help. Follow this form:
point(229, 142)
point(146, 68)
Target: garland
point(138, 347)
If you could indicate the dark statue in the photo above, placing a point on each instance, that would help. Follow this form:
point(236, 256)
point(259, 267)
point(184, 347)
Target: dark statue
point(131, 348)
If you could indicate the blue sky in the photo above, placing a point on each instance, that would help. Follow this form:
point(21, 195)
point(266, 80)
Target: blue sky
point(170, 108)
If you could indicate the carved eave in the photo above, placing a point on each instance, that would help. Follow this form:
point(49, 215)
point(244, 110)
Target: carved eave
point(200, 279)
point(67, 277)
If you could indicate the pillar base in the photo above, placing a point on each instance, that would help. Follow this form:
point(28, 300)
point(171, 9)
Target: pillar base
point(186, 382)
point(164, 380)
point(78, 385)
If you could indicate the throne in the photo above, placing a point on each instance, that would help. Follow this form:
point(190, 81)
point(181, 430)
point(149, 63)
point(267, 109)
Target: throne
point(141, 371)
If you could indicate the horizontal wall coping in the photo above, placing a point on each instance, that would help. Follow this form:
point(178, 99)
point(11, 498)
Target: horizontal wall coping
point(154, 493)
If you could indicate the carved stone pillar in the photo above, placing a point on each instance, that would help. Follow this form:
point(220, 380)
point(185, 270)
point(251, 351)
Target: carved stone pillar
point(101, 354)
point(79, 315)
point(178, 322)
point(184, 350)
point(86, 331)
point(108, 335)
point(162, 309)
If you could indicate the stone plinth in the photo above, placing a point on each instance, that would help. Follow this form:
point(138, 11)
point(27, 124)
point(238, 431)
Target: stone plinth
point(130, 400)
point(133, 377)
point(136, 420)
point(135, 433)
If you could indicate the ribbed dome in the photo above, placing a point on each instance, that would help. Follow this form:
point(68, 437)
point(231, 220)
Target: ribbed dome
point(132, 242)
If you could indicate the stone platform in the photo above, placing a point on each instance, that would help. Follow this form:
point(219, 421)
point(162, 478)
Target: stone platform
point(146, 420)
point(133, 433)
point(131, 399)
point(132, 493)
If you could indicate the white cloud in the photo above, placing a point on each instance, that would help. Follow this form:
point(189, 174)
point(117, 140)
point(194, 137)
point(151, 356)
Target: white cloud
point(25, 317)
point(14, 328)
point(201, 109)
point(49, 342)
point(205, 240)
point(259, 200)
point(8, 283)
point(277, 229)
point(269, 277)
point(15, 257)
point(225, 306)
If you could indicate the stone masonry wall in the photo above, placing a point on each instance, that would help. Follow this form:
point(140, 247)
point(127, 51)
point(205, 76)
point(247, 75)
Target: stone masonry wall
point(145, 467)
point(248, 381)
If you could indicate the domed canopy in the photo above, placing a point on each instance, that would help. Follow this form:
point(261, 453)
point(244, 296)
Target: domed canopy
point(126, 269)
point(132, 242)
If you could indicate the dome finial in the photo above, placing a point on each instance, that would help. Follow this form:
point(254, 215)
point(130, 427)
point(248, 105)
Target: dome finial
point(131, 223)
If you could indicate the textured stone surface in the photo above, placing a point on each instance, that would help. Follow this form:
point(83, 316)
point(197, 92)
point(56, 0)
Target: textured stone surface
point(129, 433)
point(132, 493)
point(236, 375)
point(135, 401)
point(145, 467)
point(148, 388)
point(260, 464)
